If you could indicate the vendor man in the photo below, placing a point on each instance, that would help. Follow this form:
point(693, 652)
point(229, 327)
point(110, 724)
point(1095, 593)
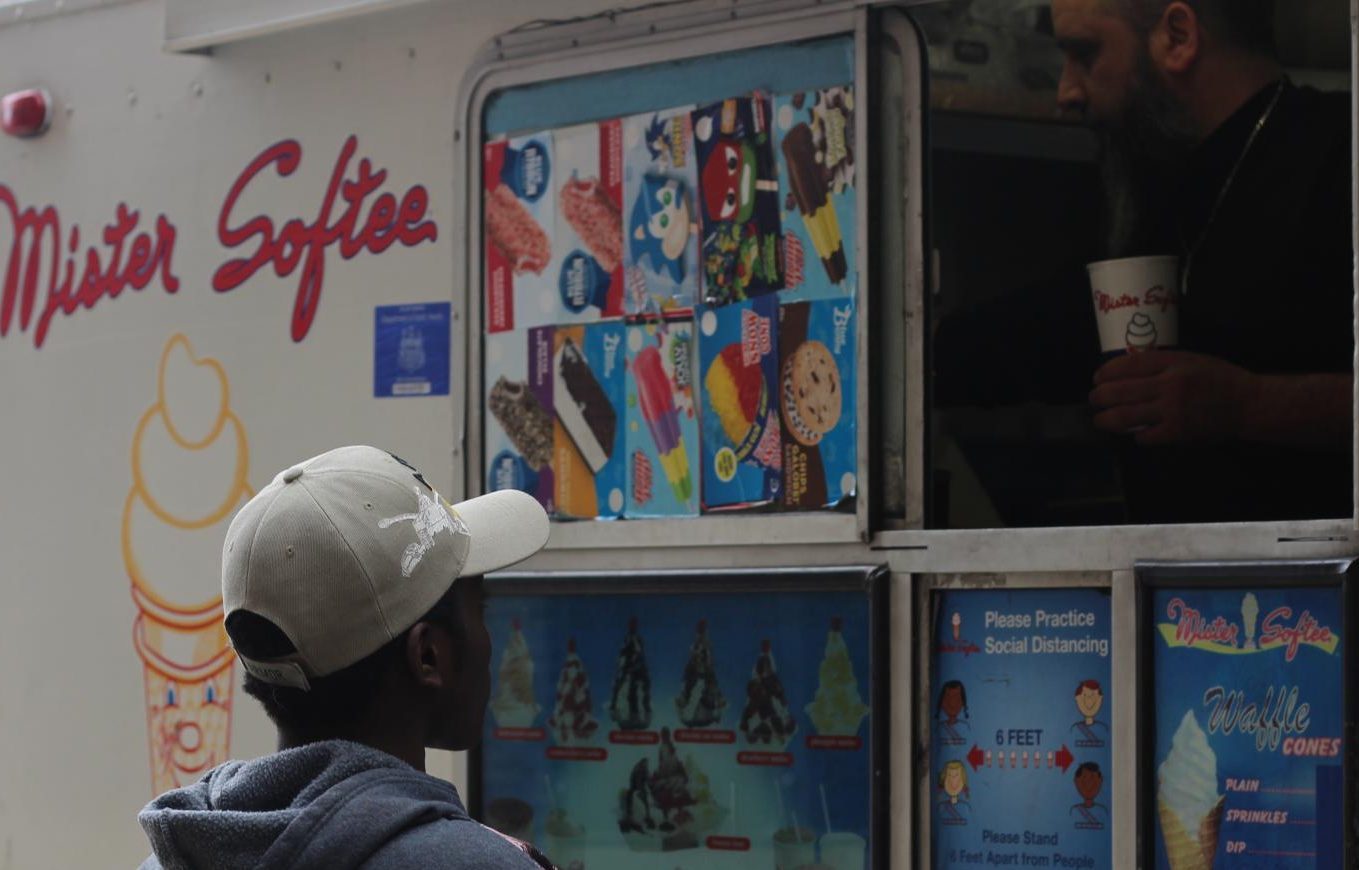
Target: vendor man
point(1211, 153)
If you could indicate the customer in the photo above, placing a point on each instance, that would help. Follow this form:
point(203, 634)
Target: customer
point(352, 593)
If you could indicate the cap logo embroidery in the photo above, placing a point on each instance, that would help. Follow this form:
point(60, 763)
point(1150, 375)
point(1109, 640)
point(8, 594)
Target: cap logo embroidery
point(431, 518)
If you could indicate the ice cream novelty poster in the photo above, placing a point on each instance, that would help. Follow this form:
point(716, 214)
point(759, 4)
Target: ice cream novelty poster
point(682, 731)
point(1249, 716)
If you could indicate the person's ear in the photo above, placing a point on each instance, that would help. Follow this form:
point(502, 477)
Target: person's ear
point(427, 659)
point(1177, 39)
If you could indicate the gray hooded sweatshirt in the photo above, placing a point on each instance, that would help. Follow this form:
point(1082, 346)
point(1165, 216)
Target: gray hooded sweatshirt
point(328, 805)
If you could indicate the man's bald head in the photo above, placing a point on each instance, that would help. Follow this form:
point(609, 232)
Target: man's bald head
point(1247, 25)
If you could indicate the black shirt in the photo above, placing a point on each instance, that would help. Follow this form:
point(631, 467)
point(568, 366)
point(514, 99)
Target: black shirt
point(1271, 289)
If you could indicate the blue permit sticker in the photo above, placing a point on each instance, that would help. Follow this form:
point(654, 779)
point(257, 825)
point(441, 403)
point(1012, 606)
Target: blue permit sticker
point(411, 349)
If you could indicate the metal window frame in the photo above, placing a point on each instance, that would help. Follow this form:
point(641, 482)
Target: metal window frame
point(1090, 547)
point(529, 57)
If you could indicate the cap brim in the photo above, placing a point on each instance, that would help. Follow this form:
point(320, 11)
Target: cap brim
point(506, 526)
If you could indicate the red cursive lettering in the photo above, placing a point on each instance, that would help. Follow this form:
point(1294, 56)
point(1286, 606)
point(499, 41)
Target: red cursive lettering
point(1306, 630)
point(1192, 628)
point(387, 222)
point(39, 230)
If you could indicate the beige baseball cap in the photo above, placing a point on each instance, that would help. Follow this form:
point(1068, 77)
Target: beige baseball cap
point(348, 549)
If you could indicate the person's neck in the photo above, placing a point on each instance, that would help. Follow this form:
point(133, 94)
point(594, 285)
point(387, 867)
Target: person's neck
point(1222, 87)
point(405, 746)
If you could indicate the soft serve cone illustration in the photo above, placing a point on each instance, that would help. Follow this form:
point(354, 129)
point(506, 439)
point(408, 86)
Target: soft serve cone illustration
point(1187, 800)
point(189, 469)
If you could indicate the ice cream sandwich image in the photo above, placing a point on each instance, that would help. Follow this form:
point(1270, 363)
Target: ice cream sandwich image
point(583, 407)
point(809, 189)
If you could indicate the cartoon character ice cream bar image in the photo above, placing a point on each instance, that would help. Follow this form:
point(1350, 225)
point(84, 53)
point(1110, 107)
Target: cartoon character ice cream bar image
point(957, 622)
point(513, 705)
point(837, 708)
point(190, 462)
point(660, 226)
point(1188, 804)
point(1250, 611)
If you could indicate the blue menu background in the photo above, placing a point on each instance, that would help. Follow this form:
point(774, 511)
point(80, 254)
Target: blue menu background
point(1014, 813)
point(795, 623)
point(1309, 789)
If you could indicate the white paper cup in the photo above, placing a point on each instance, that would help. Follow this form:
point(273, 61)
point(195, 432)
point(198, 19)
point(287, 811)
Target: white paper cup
point(1137, 303)
point(794, 848)
point(843, 850)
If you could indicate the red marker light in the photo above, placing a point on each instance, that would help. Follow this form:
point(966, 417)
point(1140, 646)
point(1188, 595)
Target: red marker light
point(26, 113)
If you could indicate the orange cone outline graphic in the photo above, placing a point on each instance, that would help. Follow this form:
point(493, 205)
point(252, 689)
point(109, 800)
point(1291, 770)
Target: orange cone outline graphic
point(188, 696)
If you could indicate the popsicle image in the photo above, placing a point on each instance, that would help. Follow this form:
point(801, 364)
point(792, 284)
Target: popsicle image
point(189, 462)
point(1187, 800)
point(658, 409)
point(813, 201)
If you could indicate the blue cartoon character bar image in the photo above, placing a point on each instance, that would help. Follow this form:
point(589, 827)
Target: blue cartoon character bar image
point(660, 180)
point(659, 228)
point(739, 193)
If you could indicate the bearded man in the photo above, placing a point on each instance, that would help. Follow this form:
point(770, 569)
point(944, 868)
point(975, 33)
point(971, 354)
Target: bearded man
point(1210, 153)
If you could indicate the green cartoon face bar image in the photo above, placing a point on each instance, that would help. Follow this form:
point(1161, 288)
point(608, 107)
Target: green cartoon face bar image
point(1090, 732)
point(1089, 815)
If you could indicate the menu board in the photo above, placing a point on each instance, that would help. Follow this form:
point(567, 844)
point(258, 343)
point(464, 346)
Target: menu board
point(654, 732)
point(1021, 751)
point(1248, 707)
point(715, 231)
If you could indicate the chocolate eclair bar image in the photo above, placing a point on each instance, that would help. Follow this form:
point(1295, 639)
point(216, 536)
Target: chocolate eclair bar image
point(524, 420)
point(584, 408)
point(809, 188)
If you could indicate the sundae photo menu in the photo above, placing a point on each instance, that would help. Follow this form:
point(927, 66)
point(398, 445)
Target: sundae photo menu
point(1248, 700)
point(1021, 747)
point(650, 732)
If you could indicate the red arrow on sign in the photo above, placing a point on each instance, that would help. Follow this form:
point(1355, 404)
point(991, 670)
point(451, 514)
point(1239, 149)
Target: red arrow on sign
point(1064, 758)
point(975, 757)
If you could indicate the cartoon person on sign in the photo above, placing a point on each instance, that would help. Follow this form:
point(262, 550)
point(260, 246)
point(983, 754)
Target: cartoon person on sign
point(954, 807)
point(1090, 732)
point(1089, 815)
point(952, 703)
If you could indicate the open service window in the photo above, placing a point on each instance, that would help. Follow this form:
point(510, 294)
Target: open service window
point(1141, 274)
point(668, 244)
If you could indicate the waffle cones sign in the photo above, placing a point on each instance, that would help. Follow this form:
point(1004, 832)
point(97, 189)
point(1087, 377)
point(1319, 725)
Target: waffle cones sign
point(171, 538)
point(1248, 701)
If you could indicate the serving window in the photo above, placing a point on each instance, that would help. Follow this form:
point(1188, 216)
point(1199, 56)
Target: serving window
point(1033, 177)
point(671, 282)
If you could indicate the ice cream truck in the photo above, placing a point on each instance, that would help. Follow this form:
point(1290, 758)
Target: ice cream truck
point(680, 271)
